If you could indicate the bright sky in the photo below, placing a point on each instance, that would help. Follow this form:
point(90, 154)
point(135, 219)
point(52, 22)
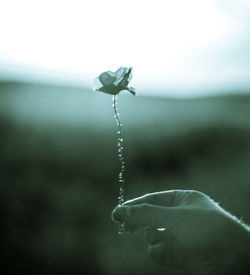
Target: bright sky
point(186, 46)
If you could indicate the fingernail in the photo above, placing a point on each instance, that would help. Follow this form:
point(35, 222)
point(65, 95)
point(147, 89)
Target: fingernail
point(119, 213)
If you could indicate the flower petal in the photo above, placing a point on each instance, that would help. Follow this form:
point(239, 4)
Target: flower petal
point(111, 73)
point(97, 85)
point(132, 90)
point(125, 80)
point(106, 79)
point(119, 75)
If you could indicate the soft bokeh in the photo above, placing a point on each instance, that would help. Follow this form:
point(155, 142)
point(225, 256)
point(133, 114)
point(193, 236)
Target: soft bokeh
point(59, 169)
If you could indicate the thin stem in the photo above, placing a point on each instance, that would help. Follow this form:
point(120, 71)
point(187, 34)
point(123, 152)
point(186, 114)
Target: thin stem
point(120, 148)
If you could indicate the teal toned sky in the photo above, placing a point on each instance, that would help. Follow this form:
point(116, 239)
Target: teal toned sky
point(177, 48)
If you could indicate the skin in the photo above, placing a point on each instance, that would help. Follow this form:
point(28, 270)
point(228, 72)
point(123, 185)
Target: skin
point(200, 237)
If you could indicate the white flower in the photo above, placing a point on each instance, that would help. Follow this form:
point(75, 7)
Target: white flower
point(114, 82)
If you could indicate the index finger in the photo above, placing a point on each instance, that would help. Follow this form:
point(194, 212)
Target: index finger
point(142, 215)
point(164, 198)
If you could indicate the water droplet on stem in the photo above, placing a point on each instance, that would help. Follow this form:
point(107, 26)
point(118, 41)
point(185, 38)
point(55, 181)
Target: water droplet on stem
point(120, 148)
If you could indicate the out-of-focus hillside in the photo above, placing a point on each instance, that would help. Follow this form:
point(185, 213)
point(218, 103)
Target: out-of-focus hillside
point(59, 168)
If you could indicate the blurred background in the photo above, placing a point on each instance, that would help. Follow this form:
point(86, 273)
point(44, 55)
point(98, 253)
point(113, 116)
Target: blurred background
point(187, 128)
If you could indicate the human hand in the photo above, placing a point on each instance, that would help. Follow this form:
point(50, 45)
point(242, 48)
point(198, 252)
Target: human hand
point(200, 237)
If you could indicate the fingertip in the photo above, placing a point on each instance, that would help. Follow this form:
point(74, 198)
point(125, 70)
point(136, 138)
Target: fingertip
point(115, 215)
point(112, 215)
point(130, 228)
point(119, 213)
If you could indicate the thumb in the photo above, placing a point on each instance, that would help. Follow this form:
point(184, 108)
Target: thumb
point(148, 215)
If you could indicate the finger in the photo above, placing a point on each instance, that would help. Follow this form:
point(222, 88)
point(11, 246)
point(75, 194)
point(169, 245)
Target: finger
point(149, 215)
point(130, 228)
point(152, 235)
point(127, 227)
point(157, 253)
point(167, 252)
point(164, 198)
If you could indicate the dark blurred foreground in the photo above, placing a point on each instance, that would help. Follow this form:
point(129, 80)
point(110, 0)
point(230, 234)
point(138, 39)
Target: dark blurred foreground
point(59, 168)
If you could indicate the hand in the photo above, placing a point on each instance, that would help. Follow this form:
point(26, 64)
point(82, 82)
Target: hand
point(199, 237)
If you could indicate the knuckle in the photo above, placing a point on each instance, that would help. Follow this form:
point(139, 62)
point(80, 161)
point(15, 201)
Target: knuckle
point(153, 198)
point(196, 194)
point(149, 197)
point(175, 195)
